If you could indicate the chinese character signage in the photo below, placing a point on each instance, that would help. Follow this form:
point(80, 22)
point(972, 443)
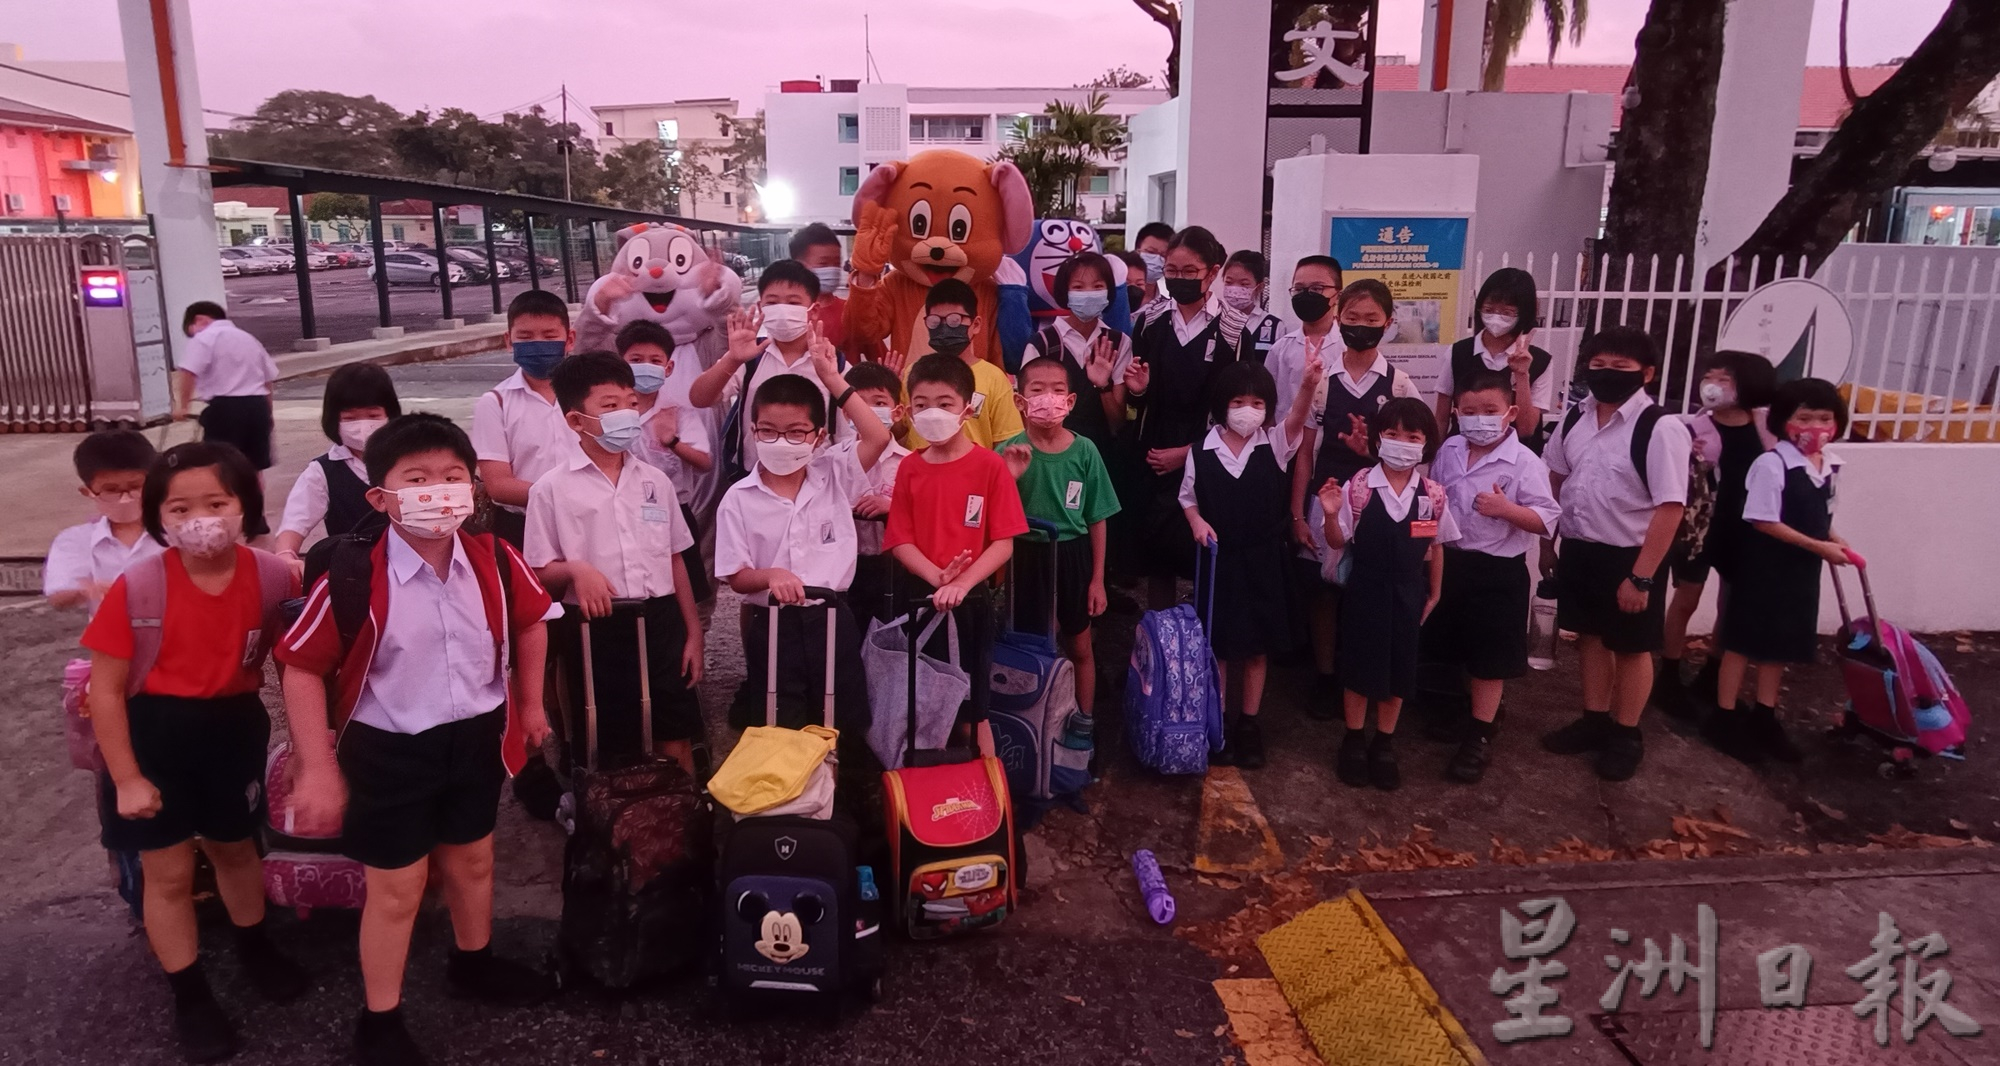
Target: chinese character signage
point(1420, 260)
point(1321, 84)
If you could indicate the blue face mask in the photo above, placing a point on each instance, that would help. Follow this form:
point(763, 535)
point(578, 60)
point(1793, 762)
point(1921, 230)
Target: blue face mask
point(1089, 305)
point(648, 378)
point(619, 430)
point(538, 358)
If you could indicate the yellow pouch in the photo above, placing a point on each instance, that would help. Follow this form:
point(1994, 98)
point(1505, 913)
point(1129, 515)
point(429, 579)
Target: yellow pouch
point(770, 766)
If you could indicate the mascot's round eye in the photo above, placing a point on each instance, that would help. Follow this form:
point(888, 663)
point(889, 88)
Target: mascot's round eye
point(960, 221)
point(681, 253)
point(1055, 232)
point(920, 219)
point(635, 253)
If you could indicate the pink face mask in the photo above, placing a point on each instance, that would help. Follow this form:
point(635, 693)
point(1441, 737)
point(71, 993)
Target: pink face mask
point(121, 508)
point(1048, 408)
point(1809, 440)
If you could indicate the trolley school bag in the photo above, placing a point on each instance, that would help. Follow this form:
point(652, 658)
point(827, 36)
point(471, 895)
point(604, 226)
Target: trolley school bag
point(637, 869)
point(303, 867)
point(1040, 734)
point(1896, 688)
point(1173, 711)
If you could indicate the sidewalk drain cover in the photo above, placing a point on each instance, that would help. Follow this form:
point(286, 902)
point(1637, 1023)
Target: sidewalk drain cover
point(1822, 1036)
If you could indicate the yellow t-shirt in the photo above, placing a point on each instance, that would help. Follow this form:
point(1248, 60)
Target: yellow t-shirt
point(995, 417)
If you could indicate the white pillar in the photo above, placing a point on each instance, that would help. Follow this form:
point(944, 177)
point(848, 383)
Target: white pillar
point(1466, 56)
point(1756, 118)
point(178, 197)
point(1224, 68)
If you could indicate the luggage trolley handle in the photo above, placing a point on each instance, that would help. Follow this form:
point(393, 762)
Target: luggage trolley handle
point(1867, 595)
point(1212, 553)
point(825, 599)
point(1050, 535)
point(590, 682)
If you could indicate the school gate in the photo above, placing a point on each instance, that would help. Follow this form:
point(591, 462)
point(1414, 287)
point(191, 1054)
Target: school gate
point(82, 333)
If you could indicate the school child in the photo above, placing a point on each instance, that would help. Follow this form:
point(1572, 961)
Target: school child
point(818, 248)
point(1622, 500)
point(786, 293)
point(1175, 355)
point(1138, 291)
point(955, 512)
point(1771, 616)
point(1508, 310)
point(1356, 387)
point(1234, 489)
point(1497, 491)
point(789, 525)
point(953, 321)
point(435, 699)
point(882, 390)
point(1063, 480)
point(607, 527)
point(1728, 434)
point(360, 398)
point(672, 438)
point(1244, 280)
point(1094, 354)
point(517, 430)
point(84, 559)
point(1391, 532)
point(1315, 287)
point(1151, 245)
point(230, 370)
point(184, 754)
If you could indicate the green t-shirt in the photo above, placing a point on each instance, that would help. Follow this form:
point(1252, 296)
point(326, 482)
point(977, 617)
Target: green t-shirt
point(1070, 488)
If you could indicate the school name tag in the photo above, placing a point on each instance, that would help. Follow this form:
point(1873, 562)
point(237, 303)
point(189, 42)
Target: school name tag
point(1424, 526)
point(1073, 496)
point(653, 514)
point(975, 511)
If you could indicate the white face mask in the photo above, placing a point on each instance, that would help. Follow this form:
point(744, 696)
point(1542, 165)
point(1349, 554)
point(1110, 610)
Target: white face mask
point(785, 322)
point(434, 511)
point(617, 430)
point(1244, 421)
point(1399, 454)
point(1498, 325)
point(1481, 430)
point(936, 424)
point(1715, 394)
point(648, 378)
point(206, 536)
point(782, 457)
point(1240, 297)
point(829, 279)
point(354, 435)
point(886, 414)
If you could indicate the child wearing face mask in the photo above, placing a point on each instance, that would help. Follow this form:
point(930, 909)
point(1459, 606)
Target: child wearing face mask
point(1233, 491)
point(1771, 617)
point(1244, 278)
point(953, 320)
point(882, 390)
point(1150, 246)
point(1508, 309)
point(607, 527)
point(672, 435)
point(1497, 492)
point(1391, 525)
point(431, 700)
point(818, 248)
point(85, 559)
point(360, 398)
point(517, 430)
point(1094, 354)
point(174, 701)
point(1063, 480)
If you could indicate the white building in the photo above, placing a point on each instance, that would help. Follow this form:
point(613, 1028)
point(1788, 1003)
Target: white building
point(702, 129)
point(819, 140)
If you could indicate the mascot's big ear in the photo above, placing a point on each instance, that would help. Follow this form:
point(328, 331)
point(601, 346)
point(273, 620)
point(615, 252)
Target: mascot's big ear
point(875, 187)
point(1017, 221)
point(630, 231)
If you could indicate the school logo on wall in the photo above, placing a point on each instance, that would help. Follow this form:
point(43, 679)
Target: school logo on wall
point(1796, 323)
point(1319, 85)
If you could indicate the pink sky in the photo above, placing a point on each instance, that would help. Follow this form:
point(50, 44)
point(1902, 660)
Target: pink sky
point(492, 55)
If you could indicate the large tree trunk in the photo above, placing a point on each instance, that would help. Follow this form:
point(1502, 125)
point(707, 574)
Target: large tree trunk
point(1168, 14)
point(1661, 166)
point(1870, 152)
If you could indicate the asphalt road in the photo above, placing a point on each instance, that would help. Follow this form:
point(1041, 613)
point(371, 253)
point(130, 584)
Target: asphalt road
point(345, 308)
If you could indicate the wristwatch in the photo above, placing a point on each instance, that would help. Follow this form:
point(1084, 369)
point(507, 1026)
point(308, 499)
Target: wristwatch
point(1643, 584)
point(675, 443)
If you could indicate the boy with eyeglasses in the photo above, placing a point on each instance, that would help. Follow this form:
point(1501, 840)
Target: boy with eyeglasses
point(953, 322)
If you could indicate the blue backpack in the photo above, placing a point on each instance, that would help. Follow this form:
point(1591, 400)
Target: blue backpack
point(1173, 709)
point(1039, 733)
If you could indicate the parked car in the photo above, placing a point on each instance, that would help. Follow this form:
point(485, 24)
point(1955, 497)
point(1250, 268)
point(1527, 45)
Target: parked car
point(248, 261)
point(229, 267)
point(474, 262)
point(283, 260)
point(357, 254)
point(416, 268)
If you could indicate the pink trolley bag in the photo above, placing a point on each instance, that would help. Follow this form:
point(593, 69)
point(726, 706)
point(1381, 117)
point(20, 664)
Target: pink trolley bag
point(1897, 691)
point(303, 869)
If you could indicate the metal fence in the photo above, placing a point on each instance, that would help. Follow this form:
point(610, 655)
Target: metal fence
point(44, 359)
point(1923, 367)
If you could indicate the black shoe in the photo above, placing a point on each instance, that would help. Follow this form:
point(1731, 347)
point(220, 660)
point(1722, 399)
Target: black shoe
point(1328, 700)
point(485, 976)
point(381, 1039)
point(1246, 742)
point(276, 977)
point(1475, 752)
point(1351, 765)
point(1729, 732)
point(1382, 771)
point(1623, 749)
point(1587, 734)
point(1767, 734)
point(203, 1032)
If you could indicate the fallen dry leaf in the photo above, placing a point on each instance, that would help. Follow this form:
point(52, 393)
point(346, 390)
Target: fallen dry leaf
point(1838, 816)
point(1078, 1000)
point(1899, 838)
point(1184, 1034)
point(1960, 826)
point(968, 1021)
point(598, 1054)
point(1220, 1029)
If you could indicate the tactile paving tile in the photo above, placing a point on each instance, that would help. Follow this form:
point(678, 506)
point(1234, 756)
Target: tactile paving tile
point(1819, 1036)
point(1358, 995)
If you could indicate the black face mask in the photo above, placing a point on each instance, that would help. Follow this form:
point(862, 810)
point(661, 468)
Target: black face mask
point(1360, 338)
point(1184, 290)
point(1611, 386)
point(1310, 306)
point(1135, 296)
point(950, 340)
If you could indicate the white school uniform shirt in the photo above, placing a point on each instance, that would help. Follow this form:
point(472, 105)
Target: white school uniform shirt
point(1521, 475)
point(513, 424)
point(813, 535)
point(434, 658)
point(90, 552)
point(1398, 505)
point(868, 532)
point(1079, 346)
point(1541, 390)
point(631, 530)
point(1764, 486)
point(1287, 362)
point(306, 506)
point(1282, 448)
point(770, 365)
point(693, 430)
point(1603, 499)
point(226, 361)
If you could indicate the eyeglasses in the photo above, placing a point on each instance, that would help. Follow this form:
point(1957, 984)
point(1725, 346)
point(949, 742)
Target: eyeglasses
point(954, 320)
point(772, 436)
point(1321, 289)
point(1197, 273)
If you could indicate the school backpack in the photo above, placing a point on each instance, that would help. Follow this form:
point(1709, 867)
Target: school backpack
point(1642, 435)
point(146, 610)
point(1173, 709)
point(347, 562)
point(733, 468)
point(1040, 734)
point(1339, 565)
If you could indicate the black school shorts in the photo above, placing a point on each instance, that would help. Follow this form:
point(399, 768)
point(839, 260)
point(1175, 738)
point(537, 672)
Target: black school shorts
point(407, 793)
point(1588, 575)
point(1031, 586)
point(242, 421)
point(206, 756)
point(1481, 618)
point(614, 667)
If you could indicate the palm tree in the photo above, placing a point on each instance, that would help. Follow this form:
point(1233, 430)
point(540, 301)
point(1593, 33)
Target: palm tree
point(1507, 26)
point(1056, 159)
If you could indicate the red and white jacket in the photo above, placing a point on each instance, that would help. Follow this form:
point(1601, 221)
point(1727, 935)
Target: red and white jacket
point(313, 642)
